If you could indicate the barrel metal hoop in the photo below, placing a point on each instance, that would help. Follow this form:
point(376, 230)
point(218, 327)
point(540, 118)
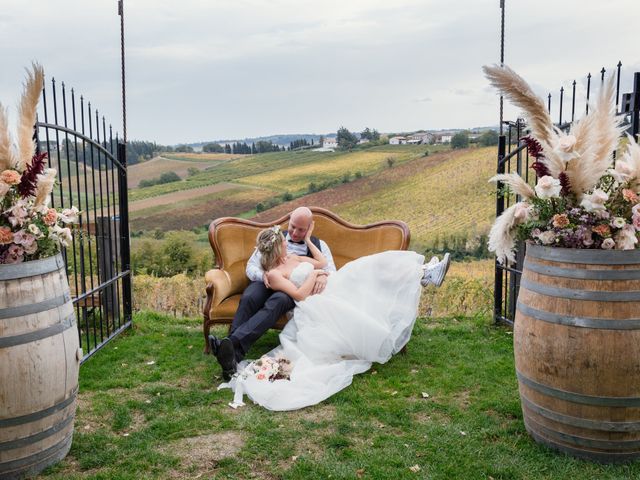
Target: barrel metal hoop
point(581, 273)
point(589, 295)
point(604, 457)
point(36, 437)
point(615, 445)
point(580, 422)
point(40, 414)
point(581, 322)
point(584, 256)
point(578, 397)
point(49, 331)
point(32, 268)
point(38, 307)
point(45, 457)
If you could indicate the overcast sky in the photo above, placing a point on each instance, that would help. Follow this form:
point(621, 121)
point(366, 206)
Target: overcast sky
point(216, 69)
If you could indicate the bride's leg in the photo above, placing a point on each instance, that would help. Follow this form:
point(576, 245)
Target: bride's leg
point(434, 272)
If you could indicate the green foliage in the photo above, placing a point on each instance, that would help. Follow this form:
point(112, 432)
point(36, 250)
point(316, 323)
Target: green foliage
point(346, 139)
point(213, 148)
point(460, 247)
point(176, 253)
point(390, 161)
point(460, 140)
point(372, 135)
point(191, 171)
point(488, 138)
point(184, 149)
point(166, 177)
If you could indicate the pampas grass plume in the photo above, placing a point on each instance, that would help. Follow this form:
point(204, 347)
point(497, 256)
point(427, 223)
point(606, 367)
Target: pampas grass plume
point(27, 114)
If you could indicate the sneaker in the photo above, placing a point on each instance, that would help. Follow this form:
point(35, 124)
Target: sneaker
point(434, 274)
point(226, 355)
point(434, 261)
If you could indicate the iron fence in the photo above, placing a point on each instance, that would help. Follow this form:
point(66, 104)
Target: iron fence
point(92, 176)
point(513, 157)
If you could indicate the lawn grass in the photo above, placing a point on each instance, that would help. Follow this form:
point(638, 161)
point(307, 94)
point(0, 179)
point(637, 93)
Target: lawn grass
point(141, 420)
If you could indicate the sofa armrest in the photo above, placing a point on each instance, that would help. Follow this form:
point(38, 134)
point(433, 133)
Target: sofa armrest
point(219, 286)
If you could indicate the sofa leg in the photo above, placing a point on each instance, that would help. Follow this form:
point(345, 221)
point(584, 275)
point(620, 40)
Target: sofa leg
point(206, 328)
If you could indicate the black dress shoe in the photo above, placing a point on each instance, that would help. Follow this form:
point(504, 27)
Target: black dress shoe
point(226, 355)
point(214, 343)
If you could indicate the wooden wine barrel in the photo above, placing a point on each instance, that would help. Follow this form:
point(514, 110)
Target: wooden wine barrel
point(39, 360)
point(577, 351)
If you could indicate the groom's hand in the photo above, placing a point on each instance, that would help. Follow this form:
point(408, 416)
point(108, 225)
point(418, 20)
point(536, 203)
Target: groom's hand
point(318, 287)
point(265, 279)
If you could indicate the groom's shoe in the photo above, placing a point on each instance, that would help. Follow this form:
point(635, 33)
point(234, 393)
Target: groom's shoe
point(214, 343)
point(226, 355)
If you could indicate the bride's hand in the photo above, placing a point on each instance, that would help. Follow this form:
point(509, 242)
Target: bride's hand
point(307, 235)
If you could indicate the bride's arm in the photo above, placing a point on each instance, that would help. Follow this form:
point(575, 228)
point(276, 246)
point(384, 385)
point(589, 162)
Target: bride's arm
point(279, 283)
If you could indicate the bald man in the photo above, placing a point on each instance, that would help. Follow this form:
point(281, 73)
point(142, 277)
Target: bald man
point(260, 307)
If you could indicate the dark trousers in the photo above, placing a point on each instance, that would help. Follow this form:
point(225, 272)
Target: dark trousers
point(259, 310)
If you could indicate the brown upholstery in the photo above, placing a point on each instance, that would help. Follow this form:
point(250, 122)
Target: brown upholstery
point(233, 241)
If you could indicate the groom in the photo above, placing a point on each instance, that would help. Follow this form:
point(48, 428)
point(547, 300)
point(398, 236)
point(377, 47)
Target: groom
point(260, 307)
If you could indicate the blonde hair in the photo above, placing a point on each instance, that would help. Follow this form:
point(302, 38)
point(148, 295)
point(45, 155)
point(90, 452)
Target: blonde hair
point(269, 244)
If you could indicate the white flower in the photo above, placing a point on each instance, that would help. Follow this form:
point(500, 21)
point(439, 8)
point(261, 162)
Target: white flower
point(618, 222)
point(69, 215)
point(622, 171)
point(608, 243)
point(595, 201)
point(547, 238)
point(522, 212)
point(548, 187)
point(564, 148)
point(33, 228)
point(626, 238)
point(63, 235)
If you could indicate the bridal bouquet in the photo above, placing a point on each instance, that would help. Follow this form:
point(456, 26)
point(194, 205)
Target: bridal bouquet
point(29, 228)
point(269, 368)
point(584, 197)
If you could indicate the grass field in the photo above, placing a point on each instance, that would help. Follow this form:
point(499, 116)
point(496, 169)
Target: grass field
point(256, 165)
point(442, 194)
point(155, 167)
point(148, 409)
point(189, 213)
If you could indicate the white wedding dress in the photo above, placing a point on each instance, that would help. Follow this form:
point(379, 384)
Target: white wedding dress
point(365, 314)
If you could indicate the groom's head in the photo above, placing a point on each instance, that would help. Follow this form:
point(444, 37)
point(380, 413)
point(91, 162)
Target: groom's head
point(299, 223)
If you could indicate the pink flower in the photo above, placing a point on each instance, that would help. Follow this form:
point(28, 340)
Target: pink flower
point(548, 187)
point(560, 220)
point(630, 196)
point(18, 213)
point(4, 188)
point(6, 235)
point(602, 230)
point(595, 201)
point(626, 238)
point(50, 217)
point(14, 254)
point(10, 177)
point(261, 376)
point(636, 221)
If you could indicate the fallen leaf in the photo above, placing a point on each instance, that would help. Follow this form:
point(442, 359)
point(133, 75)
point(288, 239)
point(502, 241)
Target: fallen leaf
point(294, 458)
point(395, 392)
point(152, 362)
point(374, 372)
point(147, 401)
point(125, 365)
point(463, 433)
point(125, 434)
point(360, 472)
point(415, 468)
point(414, 370)
point(115, 348)
point(425, 395)
point(190, 347)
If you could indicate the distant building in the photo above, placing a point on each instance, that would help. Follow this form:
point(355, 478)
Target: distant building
point(445, 139)
point(420, 138)
point(363, 140)
point(397, 140)
point(330, 142)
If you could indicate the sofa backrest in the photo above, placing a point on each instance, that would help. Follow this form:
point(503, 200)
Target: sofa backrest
point(233, 239)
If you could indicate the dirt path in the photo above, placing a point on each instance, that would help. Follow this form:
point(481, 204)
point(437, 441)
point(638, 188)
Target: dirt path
point(175, 197)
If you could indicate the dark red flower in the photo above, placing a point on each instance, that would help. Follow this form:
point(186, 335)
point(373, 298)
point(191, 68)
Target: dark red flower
point(29, 179)
point(566, 184)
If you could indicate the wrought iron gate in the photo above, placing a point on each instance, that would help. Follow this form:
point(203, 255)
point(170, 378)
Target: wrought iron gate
point(513, 157)
point(92, 175)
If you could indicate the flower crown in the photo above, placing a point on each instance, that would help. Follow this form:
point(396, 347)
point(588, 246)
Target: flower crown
point(267, 244)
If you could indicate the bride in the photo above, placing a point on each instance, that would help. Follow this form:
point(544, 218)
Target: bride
point(365, 314)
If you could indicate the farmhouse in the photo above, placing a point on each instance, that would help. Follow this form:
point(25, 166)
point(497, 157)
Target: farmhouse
point(397, 140)
point(330, 142)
